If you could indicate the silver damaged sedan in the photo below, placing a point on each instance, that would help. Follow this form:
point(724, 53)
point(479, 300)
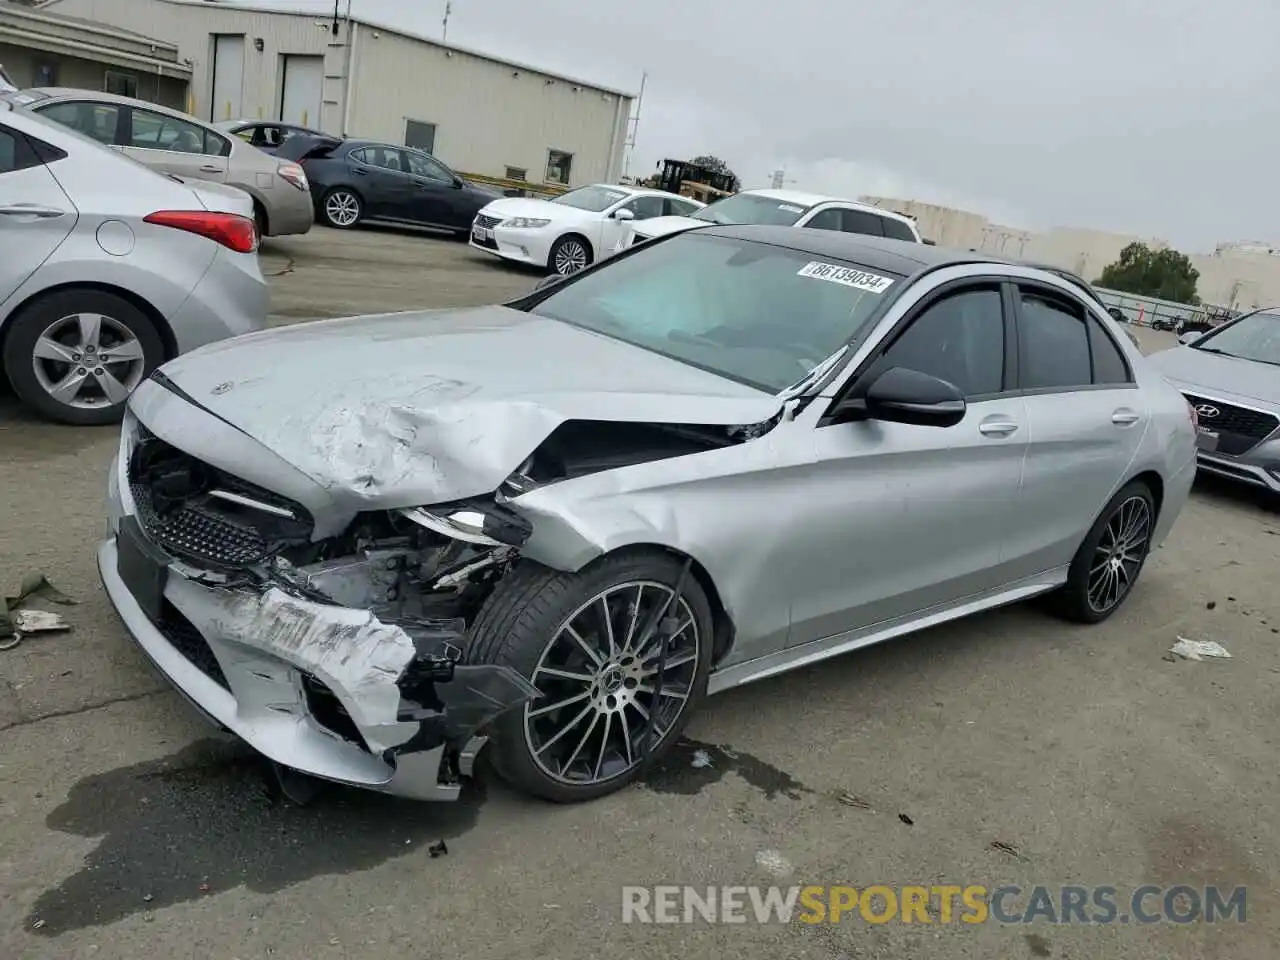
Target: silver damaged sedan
point(371, 546)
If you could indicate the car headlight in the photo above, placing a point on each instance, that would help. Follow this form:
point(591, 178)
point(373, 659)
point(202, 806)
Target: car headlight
point(484, 524)
point(525, 223)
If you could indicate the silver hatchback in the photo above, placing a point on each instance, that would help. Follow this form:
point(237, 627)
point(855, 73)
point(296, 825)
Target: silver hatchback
point(107, 269)
point(174, 142)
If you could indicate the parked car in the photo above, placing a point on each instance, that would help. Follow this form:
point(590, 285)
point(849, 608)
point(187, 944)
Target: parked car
point(175, 143)
point(568, 233)
point(557, 525)
point(1229, 376)
point(353, 181)
point(265, 135)
point(786, 208)
point(107, 269)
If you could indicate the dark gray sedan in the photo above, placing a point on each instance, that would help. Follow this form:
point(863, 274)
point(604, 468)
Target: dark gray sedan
point(1231, 377)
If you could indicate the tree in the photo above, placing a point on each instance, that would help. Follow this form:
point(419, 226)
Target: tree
point(716, 165)
point(1166, 274)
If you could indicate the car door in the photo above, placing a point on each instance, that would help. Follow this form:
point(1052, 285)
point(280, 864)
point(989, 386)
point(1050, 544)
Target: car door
point(610, 229)
point(435, 193)
point(902, 517)
point(383, 181)
point(1085, 422)
point(176, 146)
point(35, 214)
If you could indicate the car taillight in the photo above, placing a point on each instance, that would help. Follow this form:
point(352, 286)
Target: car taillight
point(294, 174)
point(232, 231)
point(1195, 417)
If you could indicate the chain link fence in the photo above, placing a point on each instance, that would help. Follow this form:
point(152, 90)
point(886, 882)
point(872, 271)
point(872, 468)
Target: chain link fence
point(1163, 314)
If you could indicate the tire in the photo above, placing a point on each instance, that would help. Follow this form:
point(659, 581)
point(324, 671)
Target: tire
point(570, 254)
point(47, 347)
point(337, 200)
point(1074, 600)
point(521, 625)
point(260, 220)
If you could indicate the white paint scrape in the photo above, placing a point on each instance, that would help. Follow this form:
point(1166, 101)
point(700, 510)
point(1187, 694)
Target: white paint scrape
point(355, 654)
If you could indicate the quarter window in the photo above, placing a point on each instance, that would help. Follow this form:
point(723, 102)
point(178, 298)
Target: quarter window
point(1054, 343)
point(959, 338)
point(1108, 362)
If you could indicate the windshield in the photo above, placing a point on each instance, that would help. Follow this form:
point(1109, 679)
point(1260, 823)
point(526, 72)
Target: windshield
point(595, 199)
point(1254, 337)
point(756, 313)
point(751, 208)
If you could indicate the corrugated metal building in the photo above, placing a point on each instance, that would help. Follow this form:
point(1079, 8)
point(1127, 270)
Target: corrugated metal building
point(477, 113)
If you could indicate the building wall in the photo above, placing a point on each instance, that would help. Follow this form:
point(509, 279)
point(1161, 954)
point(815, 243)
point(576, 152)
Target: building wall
point(23, 64)
point(1239, 276)
point(488, 116)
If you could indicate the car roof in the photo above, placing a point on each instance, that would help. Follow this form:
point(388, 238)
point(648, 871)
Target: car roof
point(98, 96)
point(903, 257)
point(806, 199)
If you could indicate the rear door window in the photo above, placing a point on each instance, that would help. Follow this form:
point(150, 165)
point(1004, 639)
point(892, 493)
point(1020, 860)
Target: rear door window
point(896, 229)
point(1054, 342)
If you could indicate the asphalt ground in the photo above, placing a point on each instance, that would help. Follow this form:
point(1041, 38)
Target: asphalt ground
point(1008, 749)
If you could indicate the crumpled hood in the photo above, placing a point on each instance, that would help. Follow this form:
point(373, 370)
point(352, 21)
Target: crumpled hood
point(1218, 375)
point(661, 226)
point(533, 209)
point(428, 407)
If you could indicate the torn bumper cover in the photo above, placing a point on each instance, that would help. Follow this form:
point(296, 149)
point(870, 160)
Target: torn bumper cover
point(327, 690)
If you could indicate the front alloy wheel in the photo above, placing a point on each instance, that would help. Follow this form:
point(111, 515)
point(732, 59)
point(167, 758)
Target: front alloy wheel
point(599, 679)
point(569, 255)
point(586, 641)
point(341, 209)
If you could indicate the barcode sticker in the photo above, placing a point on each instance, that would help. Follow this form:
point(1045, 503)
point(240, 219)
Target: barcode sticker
point(834, 273)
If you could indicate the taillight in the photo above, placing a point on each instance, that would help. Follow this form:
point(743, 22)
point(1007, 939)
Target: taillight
point(294, 174)
point(232, 231)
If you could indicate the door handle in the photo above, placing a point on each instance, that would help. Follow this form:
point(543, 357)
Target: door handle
point(1122, 418)
point(30, 210)
point(210, 168)
point(359, 173)
point(997, 428)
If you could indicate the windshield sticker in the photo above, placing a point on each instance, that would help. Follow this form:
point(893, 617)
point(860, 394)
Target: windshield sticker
point(614, 196)
point(858, 279)
point(790, 208)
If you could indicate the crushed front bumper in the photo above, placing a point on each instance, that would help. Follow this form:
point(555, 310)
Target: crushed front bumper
point(328, 690)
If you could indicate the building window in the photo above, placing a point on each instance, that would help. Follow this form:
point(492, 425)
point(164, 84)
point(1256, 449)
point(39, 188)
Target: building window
point(46, 74)
point(517, 173)
point(121, 84)
point(420, 135)
point(559, 166)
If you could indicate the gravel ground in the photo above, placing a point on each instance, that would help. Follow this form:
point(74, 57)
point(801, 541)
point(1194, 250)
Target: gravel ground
point(1007, 749)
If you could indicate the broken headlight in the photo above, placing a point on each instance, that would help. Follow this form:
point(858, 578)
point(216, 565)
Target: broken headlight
point(484, 524)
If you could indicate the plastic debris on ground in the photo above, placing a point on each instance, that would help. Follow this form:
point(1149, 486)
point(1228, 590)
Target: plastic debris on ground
point(700, 759)
point(1199, 650)
point(16, 623)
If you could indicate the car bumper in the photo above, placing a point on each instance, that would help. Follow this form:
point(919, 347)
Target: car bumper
point(230, 299)
point(277, 671)
point(289, 212)
point(532, 247)
point(1260, 467)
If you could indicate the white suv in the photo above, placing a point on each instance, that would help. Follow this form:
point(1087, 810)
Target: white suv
point(783, 208)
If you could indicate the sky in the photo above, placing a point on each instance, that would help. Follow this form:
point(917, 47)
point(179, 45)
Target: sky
point(1135, 116)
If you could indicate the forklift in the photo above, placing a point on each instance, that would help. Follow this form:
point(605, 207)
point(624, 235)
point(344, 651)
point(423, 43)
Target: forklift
point(686, 179)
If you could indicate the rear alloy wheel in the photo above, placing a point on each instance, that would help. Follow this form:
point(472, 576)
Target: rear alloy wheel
point(341, 208)
point(569, 255)
point(1108, 563)
point(76, 356)
point(581, 639)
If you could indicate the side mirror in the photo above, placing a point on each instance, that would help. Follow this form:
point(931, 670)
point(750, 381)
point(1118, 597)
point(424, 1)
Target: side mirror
point(458, 183)
point(549, 280)
point(901, 395)
point(1191, 336)
point(624, 214)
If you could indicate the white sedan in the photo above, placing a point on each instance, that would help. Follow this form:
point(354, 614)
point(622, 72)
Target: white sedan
point(573, 230)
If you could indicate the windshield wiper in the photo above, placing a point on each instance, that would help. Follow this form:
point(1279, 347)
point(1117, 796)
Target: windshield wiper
point(814, 375)
point(1222, 353)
